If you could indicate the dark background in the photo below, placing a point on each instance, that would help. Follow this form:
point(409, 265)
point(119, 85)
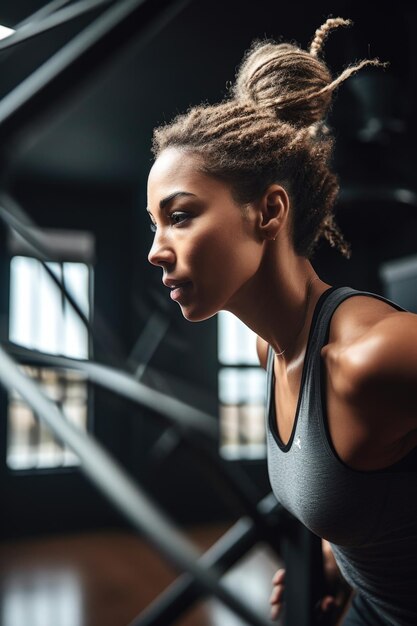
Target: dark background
point(84, 166)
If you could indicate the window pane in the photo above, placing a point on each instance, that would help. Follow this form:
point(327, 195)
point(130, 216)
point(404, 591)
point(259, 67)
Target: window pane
point(242, 431)
point(30, 444)
point(238, 386)
point(41, 319)
point(242, 393)
point(41, 597)
point(76, 337)
point(236, 342)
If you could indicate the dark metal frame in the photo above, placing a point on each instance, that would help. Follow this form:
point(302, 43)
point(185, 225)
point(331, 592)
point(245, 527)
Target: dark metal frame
point(115, 484)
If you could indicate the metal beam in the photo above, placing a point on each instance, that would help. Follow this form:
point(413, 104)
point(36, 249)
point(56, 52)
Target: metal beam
point(124, 384)
point(225, 553)
point(70, 67)
point(58, 18)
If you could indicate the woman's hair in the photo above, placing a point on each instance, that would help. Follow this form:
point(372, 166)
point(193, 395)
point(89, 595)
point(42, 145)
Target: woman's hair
point(272, 129)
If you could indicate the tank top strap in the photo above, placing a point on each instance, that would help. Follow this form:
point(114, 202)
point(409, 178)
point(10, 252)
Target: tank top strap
point(269, 377)
point(320, 326)
point(319, 334)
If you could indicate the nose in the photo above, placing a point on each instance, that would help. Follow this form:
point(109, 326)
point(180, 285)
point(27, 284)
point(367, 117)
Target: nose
point(161, 254)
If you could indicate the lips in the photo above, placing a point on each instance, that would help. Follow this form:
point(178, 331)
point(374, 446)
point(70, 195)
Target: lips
point(172, 283)
point(178, 288)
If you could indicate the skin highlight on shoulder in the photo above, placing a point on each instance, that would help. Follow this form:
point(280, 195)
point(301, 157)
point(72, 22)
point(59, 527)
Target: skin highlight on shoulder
point(345, 355)
point(371, 369)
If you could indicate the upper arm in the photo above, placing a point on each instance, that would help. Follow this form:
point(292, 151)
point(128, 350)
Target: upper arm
point(377, 373)
point(262, 350)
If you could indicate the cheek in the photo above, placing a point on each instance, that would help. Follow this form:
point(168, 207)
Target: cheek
point(219, 265)
point(224, 258)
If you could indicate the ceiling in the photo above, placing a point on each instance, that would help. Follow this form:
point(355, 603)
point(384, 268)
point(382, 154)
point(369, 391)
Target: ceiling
point(102, 132)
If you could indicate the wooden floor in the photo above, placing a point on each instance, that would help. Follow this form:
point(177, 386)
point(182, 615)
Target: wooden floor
point(107, 578)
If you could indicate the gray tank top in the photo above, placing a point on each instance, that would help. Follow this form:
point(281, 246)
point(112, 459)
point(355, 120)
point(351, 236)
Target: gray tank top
point(370, 517)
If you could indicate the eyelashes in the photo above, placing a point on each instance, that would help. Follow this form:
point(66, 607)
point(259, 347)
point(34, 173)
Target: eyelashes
point(176, 218)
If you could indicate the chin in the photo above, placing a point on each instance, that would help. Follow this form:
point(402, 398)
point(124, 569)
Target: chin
point(197, 315)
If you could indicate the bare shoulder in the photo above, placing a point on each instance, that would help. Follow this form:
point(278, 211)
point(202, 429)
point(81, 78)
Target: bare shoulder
point(356, 316)
point(371, 357)
point(365, 331)
point(262, 350)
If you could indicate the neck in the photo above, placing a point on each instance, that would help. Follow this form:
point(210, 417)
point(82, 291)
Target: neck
point(278, 303)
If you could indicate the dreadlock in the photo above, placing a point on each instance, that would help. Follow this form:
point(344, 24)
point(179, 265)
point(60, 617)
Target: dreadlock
point(272, 129)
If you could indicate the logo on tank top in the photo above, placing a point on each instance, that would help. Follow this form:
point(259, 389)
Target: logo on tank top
point(297, 443)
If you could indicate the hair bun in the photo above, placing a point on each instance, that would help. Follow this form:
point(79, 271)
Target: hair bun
point(290, 83)
point(286, 81)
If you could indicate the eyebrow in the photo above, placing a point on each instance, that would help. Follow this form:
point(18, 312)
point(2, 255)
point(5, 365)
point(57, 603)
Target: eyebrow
point(163, 203)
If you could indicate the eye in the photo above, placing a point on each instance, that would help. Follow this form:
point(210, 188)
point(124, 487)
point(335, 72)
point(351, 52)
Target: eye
point(177, 217)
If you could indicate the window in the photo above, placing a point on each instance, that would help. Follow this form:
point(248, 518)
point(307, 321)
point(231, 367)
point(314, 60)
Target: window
point(241, 391)
point(41, 319)
point(49, 596)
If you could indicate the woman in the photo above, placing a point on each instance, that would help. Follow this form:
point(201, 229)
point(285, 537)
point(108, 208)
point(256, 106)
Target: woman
point(239, 195)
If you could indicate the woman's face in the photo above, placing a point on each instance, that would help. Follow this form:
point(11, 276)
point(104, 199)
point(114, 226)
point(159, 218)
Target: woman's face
point(207, 245)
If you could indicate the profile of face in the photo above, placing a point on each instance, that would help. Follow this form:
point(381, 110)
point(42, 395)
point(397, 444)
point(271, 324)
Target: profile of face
point(208, 246)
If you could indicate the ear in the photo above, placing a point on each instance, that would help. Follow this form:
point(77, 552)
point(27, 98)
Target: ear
point(273, 211)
